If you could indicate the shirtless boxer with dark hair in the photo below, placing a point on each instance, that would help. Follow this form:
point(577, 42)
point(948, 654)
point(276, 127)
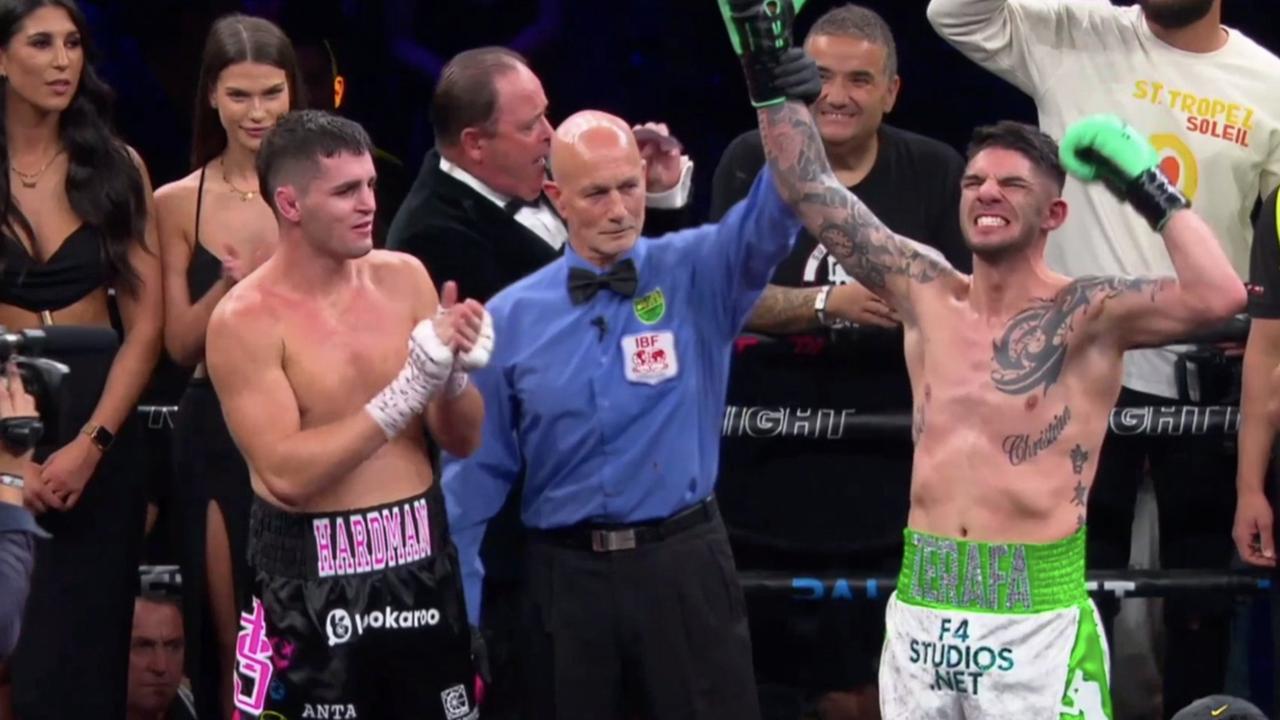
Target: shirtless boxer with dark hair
point(329, 359)
point(1014, 372)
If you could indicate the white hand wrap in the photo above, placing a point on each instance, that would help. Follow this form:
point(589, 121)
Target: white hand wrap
point(425, 371)
point(478, 356)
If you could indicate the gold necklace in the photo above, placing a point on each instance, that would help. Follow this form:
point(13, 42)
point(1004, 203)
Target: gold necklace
point(244, 196)
point(29, 180)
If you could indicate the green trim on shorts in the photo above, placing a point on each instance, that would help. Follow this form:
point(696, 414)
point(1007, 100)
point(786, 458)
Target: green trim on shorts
point(954, 574)
point(1087, 695)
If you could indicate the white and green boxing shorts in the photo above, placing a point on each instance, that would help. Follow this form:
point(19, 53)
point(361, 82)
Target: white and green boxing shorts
point(993, 631)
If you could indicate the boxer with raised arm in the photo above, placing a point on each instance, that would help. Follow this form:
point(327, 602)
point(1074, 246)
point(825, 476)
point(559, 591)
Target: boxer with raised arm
point(329, 359)
point(1014, 372)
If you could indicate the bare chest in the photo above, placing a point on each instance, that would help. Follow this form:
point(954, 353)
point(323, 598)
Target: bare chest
point(337, 357)
point(1018, 377)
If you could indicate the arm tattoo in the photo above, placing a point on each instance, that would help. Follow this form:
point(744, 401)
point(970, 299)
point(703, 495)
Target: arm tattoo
point(1022, 447)
point(870, 252)
point(782, 310)
point(1033, 347)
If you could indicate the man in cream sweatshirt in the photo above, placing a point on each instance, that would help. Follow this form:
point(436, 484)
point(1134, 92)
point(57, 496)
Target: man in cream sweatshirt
point(1209, 98)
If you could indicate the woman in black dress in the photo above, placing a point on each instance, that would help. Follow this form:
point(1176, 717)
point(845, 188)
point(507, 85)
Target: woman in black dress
point(214, 229)
point(76, 224)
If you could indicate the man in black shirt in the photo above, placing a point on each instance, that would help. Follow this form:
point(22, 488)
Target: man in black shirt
point(912, 182)
point(824, 517)
point(1254, 530)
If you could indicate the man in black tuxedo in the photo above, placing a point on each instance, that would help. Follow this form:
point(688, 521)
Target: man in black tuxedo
point(476, 215)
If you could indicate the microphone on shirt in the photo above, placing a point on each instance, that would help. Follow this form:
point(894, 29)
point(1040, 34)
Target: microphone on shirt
point(600, 324)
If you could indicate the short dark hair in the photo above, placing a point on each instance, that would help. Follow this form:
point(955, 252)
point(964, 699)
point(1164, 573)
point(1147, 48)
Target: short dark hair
point(301, 138)
point(855, 21)
point(1026, 140)
point(466, 94)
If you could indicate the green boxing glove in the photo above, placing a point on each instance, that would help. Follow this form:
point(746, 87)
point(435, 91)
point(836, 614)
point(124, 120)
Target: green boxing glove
point(1103, 147)
point(760, 31)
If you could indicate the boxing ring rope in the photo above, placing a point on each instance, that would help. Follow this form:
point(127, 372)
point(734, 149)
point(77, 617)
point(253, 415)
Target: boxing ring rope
point(840, 424)
point(1120, 584)
point(848, 424)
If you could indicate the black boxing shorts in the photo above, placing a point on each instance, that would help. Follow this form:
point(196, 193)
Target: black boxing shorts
point(357, 614)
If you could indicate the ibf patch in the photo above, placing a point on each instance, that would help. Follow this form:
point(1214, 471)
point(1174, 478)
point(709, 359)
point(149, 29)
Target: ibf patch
point(650, 357)
point(650, 307)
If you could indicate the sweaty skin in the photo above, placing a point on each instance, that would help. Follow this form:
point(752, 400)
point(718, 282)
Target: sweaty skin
point(299, 347)
point(1015, 369)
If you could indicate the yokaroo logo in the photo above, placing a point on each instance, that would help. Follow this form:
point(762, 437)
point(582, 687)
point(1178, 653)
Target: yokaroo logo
point(339, 624)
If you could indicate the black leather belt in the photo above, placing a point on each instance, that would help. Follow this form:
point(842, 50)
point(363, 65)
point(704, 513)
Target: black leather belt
point(612, 538)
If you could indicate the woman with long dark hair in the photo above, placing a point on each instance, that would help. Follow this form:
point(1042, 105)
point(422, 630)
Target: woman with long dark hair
point(214, 229)
point(75, 224)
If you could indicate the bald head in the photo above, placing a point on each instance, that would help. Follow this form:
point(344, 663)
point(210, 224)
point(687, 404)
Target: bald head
point(598, 184)
point(586, 137)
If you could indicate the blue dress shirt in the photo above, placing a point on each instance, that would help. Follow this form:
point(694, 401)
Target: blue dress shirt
point(18, 533)
point(611, 410)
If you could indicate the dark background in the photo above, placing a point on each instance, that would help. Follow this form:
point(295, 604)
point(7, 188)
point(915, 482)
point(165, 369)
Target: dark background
point(666, 60)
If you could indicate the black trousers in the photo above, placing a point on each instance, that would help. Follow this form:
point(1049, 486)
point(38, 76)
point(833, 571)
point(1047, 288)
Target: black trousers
point(72, 659)
point(1194, 479)
point(657, 632)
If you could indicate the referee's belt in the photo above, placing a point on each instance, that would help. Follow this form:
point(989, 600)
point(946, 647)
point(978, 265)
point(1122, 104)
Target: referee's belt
point(612, 538)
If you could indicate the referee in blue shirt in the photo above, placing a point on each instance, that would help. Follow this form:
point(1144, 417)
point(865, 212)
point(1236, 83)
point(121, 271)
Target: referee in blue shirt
point(606, 393)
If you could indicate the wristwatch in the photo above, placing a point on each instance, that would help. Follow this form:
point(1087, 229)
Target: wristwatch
point(820, 309)
point(99, 436)
point(14, 481)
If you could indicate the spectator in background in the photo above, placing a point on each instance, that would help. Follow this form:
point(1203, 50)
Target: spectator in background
point(215, 228)
point(910, 181)
point(18, 530)
point(157, 647)
point(1255, 529)
point(1207, 93)
point(79, 225)
point(913, 184)
point(476, 215)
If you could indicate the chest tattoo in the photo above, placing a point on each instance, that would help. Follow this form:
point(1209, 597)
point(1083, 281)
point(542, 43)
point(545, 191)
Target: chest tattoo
point(1032, 349)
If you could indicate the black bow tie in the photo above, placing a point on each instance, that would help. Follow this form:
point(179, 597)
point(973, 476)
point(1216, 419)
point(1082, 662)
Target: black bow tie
point(515, 205)
point(584, 284)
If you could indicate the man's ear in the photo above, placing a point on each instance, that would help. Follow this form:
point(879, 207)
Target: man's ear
point(555, 194)
point(1056, 216)
point(286, 200)
point(895, 86)
point(472, 142)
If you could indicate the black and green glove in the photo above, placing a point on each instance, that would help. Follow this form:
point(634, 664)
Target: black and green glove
point(760, 31)
point(1103, 147)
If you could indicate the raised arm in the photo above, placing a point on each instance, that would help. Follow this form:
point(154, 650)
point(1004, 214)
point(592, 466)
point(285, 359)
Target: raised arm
point(1140, 312)
point(778, 76)
point(1020, 41)
point(887, 263)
